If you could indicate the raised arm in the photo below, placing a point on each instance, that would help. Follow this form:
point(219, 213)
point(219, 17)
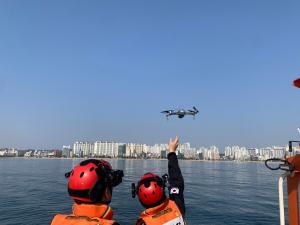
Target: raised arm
point(176, 181)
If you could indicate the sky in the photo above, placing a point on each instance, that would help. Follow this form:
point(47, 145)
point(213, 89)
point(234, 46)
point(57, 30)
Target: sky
point(104, 70)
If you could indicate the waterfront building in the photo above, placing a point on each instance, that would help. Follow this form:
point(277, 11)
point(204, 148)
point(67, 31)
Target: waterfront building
point(278, 152)
point(3, 152)
point(163, 154)
point(215, 155)
point(106, 148)
point(56, 153)
point(156, 150)
point(66, 151)
point(51, 154)
point(236, 153)
point(245, 153)
point(264, 153)
point(211, 154)
point(201, 152)
point(200, 155)
point(228, 153)
point(122, 150)
point(8, 152)
point(190, 153)
point(187, 151)
point(28, 154)
point(136, 150)
point(37, 153)
point(241, 154)
point(183, 147)
point(71, 154)
point(252, 152)
point(81, 149)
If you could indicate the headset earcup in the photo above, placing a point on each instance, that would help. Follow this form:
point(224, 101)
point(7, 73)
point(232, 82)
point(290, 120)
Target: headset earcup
point(96, 192)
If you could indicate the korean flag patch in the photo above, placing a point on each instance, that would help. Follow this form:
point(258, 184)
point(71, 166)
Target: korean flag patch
point(174, 190)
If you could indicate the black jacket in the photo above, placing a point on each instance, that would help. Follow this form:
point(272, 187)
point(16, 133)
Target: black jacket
point(176, 182)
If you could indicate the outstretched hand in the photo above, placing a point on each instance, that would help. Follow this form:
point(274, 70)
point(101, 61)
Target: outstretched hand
point(173, 144)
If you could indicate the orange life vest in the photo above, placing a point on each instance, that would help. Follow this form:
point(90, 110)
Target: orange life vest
point(86, 214)
point(166, 213)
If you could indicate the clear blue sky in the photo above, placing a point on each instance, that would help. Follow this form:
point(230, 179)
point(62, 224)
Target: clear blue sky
point(103, 70)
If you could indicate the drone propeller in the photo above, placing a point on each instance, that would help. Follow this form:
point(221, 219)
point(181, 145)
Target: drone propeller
point(167, 111)
point(196, 110)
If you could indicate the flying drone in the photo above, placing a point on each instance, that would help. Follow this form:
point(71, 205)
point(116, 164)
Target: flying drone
point(181, 112)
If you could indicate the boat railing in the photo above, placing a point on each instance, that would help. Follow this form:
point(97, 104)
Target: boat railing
point(281, 197)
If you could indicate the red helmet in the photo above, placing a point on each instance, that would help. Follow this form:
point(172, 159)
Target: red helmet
point(150, 190)
point(297, 83)
point(89, 179)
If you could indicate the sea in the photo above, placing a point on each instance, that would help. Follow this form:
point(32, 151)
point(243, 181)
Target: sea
point(33, 190)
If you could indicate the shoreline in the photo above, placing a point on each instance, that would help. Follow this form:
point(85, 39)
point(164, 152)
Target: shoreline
point(83, 158)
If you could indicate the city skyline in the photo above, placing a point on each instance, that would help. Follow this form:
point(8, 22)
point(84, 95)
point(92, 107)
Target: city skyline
point(111, 149)
point(82, 71)
point(182, 144)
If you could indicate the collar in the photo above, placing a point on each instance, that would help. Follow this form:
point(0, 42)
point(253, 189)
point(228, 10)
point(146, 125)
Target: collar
point(93, 210)
point(156, 209)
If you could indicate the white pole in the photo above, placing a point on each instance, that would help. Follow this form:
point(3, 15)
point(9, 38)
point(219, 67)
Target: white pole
point(281, 197)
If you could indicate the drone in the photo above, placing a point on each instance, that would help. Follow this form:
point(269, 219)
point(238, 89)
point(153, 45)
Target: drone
point(181, 112)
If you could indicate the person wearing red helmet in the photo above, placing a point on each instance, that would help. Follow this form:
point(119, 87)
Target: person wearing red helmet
point(90, 186)
point(160, 209)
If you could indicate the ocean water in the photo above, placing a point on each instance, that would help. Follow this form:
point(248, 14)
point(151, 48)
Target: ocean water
point(32, 191)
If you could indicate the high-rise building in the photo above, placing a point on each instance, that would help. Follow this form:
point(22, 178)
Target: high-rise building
point(66, 151)
point(264, 153)
point(156, 150)
point(121, 150)
point(211, 154)
point(81, 149)
point(135, 150)
point(106, 148)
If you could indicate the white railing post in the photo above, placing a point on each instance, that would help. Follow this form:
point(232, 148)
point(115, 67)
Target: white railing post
point(281, 197)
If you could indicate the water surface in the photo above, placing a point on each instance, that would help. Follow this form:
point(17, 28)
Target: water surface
point(34, 190)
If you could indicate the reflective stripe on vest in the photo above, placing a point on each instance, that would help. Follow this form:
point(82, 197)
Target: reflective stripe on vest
point(165, 214)
point(61, 219)
point(93, 210)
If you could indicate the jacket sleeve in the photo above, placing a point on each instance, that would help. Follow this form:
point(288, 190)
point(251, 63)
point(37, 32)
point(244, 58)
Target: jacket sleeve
point(176, 182)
